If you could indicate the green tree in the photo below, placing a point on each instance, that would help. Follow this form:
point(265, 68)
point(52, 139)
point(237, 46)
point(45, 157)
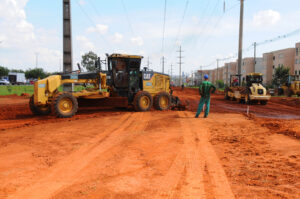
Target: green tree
point(220, 84)
point(3, 71)
point(280, 76)
point(35, 73)
point(88, 61)
point(16, 71)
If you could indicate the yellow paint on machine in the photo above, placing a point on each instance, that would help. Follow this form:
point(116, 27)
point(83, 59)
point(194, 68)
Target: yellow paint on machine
point(158, 83)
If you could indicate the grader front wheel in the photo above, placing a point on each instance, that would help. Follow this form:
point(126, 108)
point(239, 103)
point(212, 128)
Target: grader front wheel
point(38, 110)
point(64, 105)
point(162, 101)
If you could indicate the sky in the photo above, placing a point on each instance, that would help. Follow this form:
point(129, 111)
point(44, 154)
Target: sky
point(31, 30)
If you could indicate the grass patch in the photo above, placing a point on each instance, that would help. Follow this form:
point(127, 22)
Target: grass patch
point(16, 90)
point(19, 89)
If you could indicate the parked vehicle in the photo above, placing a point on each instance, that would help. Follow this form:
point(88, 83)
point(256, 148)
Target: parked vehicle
point(16, 78)
point(4, 82)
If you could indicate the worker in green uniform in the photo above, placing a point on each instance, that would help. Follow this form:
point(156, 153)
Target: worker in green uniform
point(205, 89)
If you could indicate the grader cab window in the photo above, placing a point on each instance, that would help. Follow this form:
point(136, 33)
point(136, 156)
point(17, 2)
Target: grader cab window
point(120, 73)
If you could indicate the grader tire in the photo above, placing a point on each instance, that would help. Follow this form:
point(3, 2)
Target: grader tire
point(143, 101)
point(64, 105)
point(36, 110)
point(162, 101)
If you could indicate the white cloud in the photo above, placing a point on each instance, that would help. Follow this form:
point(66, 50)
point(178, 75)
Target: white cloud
point(85, 43)
point(266, 18)
point(137, 40)
point(117, 38)
point(21, 39)
point(102, 29)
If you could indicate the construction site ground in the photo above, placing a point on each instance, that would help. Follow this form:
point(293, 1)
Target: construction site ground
point(105, 152)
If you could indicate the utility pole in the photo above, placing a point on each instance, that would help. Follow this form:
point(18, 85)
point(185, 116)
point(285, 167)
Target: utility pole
point(201, 78)
point(148, 63)
point(241, 38)
point(180, 63)
point(254, 56)
point(217, 70)
point(171, 71)
point(67, 42)
point(163, 64)
point(36, 60)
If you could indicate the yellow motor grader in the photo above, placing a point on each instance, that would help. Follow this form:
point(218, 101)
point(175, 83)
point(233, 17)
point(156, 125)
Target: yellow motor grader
point(251, 93)
point(124, 79)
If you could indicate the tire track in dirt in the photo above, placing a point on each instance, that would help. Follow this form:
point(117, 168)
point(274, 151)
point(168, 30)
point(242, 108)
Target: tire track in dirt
point(194, 182)
point(66, 172)
point(137, 124)
point(176, 173)
point(184, 170)
point(219, 182)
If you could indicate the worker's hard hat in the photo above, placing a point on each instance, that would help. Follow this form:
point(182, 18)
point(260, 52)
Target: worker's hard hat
point(205, 76)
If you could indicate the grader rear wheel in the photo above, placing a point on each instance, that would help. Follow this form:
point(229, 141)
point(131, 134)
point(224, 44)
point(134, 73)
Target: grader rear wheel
point(162, 101)
point(38, 110)
point(142, 101)
point(64, 105)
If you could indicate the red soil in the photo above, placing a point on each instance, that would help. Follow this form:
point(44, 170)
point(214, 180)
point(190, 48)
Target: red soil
point(107, 153)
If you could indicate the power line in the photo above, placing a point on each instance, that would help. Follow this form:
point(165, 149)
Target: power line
point(180, 26)
point(94, 7)
point(208, 20)
point(164, 26)
point(182, 20)
point(295, 32)
point(90, 19)
point(216, 25)
point(127, 17)
point(280, 37)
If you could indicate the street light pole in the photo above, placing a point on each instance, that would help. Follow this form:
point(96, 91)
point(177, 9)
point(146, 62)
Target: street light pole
point(254, 55)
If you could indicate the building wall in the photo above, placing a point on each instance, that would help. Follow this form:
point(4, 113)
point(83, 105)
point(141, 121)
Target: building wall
point(220, 73)
point(247, 66)
point(261, 68)
point(285, 57)
point(214, 76)
point(225, 73)
point(268, 63)
point(297, 60)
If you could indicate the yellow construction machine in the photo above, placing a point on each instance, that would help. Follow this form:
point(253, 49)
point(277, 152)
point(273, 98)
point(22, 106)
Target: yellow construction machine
point(252, 92)
point(291, 87)
point(124, 79)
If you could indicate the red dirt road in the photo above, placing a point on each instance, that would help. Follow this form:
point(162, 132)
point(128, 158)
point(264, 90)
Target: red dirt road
point(106, 153)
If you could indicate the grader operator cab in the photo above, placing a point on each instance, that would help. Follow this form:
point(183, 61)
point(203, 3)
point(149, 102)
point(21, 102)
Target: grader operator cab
point(124, 79)
point(252, 92)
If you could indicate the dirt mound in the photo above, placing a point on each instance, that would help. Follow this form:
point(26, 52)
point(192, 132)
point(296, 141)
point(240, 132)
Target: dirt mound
point(288, 101)
point(289, 128)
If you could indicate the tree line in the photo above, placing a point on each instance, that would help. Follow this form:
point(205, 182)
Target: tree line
point(35, 73)
point(88, 62)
